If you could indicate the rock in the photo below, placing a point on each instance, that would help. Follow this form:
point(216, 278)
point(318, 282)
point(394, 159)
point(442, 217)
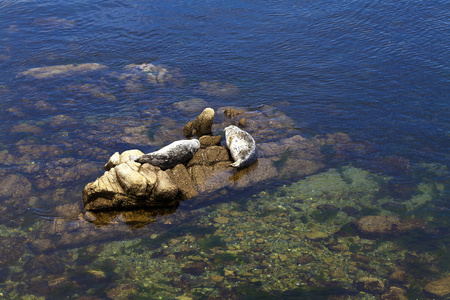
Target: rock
point(395, 293)
point(439, 288)
point(180, 176)
point(317, 235)
point(116, 159)
point(242, 122)
point(149, 172)
point(370, 284)
point(165, 189)
point(130, 180)
point(231, 112)
point(14, 185)
point(203, 123)
point(194, 105)
point(113, 161)
point(399, 276)
point(27, 128)
point(386, 225)
point(209, 140)
point(62, 70)
point(221, 220)
point(188, 130)
point(218, 89)
point(126, 184)
point(195, 268)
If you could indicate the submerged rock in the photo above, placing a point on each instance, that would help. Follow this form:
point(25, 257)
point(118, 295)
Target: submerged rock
point(439, 288)
point(386, 225)
point(62, 70)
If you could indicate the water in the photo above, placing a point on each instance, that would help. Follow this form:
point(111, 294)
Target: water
point(376, 71)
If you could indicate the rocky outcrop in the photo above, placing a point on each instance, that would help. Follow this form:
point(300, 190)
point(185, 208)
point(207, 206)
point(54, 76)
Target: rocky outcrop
point(127, 184)
point(201, 125)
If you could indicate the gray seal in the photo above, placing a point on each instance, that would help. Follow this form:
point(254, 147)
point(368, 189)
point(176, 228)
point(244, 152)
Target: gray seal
point(242, 147)
point(178, 152)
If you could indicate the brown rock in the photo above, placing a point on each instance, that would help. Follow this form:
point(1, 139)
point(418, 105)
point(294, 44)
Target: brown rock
point(180, 176)
point(370, 284)
point(149, 172)
point(14, 185)
point(188, 130)
point(395, 293)
point(399, 276)
point(231, 112)
point(209, 140)
point(27, 128)
point(194, 268)
point(439, 288)
point(203, 123)
point(242, 122)
point(165, 190)
point(221, 220)
point(210, 156)
point(130, 180)
point(386, 225)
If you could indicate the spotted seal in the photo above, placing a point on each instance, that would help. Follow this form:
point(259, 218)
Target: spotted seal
point(178, 152)
point(241, 145)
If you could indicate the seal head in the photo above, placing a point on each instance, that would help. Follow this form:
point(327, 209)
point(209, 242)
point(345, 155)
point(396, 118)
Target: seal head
point(178, 152)
point(242, 147)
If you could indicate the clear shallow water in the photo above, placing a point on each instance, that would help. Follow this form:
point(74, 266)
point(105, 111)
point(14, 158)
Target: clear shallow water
point(376, 71)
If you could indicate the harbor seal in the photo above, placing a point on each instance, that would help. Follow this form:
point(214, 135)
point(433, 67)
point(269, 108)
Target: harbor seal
point(241, 145)
point(178, 152)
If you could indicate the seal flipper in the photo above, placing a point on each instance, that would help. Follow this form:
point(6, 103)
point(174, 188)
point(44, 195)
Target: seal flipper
point(236, 164)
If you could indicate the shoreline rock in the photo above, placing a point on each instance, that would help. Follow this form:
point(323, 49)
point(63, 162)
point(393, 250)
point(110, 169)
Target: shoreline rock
point(130, 185)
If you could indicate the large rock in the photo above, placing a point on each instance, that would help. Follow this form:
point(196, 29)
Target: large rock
point(202, 124)
point(386, 225)
point(127, 184)
point(439, 288)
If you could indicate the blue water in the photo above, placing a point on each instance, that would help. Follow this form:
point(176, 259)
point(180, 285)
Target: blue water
point(375, 70)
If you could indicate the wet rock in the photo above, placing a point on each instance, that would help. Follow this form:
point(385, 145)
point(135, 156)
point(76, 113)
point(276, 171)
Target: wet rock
point(188, 130)
point(94, 90)
point(165, 189)
point(62, 70)
point(399, 276)
point(149, 73)
point(124, 291)
point(218, 89)
point(27, 128)
point(14, 185)
point(231, 112)
point(130, 179)
point(386, 225)
point(181, 178)
point(203, 123)
point(124, 185)
point(209, 140)
point(38, 151)
point(439, 288)
point(192, 106)
point(116, 159)
point(395, 293)
point(195, 268)
point(370, 284)
point(317, 235)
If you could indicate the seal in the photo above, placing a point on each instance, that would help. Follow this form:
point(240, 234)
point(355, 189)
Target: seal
point(178, 152)
point(241, 145)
